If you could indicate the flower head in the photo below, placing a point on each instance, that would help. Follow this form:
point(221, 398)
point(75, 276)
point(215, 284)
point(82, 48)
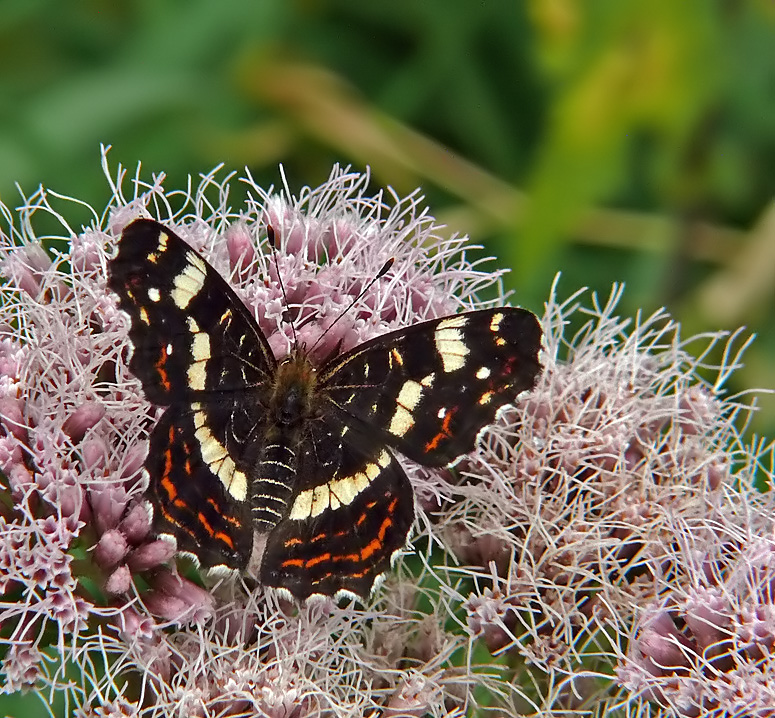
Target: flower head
point(705, 643)
point(77, 537)
point(560, 537)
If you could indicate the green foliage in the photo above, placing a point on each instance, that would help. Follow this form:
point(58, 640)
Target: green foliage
point(612, 141)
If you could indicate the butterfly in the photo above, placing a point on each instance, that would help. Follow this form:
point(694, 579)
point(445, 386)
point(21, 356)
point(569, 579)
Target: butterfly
point(303, 457)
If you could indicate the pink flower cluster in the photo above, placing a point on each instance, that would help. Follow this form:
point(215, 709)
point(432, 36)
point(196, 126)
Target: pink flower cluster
point(604, 537)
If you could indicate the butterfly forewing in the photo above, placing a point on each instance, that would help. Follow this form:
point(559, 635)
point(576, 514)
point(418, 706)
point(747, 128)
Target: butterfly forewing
point(304, 457)
point(429, 389)
point(190, 331)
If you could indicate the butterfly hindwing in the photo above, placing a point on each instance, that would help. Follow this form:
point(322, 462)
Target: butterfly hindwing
point(349, 516)
point(190, 500)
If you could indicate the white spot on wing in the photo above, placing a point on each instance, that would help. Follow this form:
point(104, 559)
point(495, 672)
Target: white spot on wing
point(216, 457)
point(453, 322)
point(200, 349)
point(320, 499)
point(449, 343)
point(161, 246)
point(302, 506)
point(212, 449)
point(403, 420)
point(238, 486)
point(483, 373)
point(347, 488)
point(410, 394)
point(189, 282)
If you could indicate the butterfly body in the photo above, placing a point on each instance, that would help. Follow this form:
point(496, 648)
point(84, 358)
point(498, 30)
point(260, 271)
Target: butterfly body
point(305, 455)
point(293, 400)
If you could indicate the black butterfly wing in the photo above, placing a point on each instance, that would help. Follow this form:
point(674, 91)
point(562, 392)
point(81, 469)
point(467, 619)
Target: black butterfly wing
point(428, 389)
point(352, 512)
point(203, 505)
point(197, 350)
point(190, 332)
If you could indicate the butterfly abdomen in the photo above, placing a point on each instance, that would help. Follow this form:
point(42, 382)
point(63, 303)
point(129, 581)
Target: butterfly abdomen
point(272, 485)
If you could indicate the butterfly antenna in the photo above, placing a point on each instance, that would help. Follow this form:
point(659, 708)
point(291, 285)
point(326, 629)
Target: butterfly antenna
point(382, 272)
point(271, 237)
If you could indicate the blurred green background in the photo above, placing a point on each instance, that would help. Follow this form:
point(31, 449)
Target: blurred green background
point(615, 141)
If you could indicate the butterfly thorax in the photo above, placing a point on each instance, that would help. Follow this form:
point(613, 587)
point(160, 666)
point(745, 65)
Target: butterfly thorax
point(292, 400)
